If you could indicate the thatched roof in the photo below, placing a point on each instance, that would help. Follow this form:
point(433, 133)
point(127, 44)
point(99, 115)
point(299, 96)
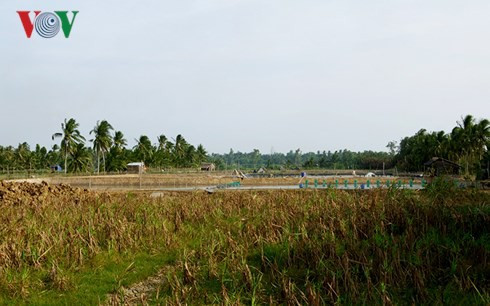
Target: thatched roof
point(442, 160)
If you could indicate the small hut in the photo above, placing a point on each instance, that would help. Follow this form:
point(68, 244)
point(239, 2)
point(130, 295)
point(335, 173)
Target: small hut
point(137, 168)
point(439, 166)
point(56, 168)
point(208, 167)
point(239, 174)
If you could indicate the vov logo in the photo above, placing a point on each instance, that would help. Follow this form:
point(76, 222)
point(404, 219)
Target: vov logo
point(47, 24)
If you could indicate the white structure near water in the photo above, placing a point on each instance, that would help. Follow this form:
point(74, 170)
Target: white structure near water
point(138, 167)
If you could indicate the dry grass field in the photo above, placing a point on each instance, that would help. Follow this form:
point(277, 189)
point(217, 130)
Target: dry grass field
point(63, 245)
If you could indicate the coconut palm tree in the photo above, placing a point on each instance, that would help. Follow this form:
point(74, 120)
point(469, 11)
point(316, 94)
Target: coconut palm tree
point(468, 140)
point(24, 156)
point(162, 156)
point(119, 141)
point(179, 150)
point(116, 159)
point(162, 142)
point(54, 155)
point(481, 137)
point(441, 142)
point(462, 140)
point(102, 141)
point(201, 153)
point(7, 158)
point(80, 158)
point(70, 137)
point(190, 158)
point(143, 148)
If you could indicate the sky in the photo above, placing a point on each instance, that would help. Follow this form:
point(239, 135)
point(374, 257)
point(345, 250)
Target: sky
point(272, 75)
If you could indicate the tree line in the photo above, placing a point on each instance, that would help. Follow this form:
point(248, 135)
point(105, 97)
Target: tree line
point(342, 159)
point(466, 144)
point(106, 151)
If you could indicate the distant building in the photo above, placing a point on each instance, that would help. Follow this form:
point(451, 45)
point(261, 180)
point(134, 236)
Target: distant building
point(56, 168)
point(136, 167)
point(208, 167)
point(239, 174)
point(439, 166)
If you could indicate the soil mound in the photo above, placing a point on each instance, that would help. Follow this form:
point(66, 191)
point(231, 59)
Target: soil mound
point(38, 194)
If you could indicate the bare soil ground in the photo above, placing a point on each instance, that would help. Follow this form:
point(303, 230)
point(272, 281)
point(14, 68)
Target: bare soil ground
point(36, 194)
point(139, 293)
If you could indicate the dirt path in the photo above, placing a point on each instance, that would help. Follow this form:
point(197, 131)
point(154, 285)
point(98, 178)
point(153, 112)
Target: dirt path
point(139, 293)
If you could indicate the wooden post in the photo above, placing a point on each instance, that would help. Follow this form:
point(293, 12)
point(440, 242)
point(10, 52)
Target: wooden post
point(140, 173)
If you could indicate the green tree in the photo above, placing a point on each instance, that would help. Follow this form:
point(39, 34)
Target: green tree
point(119, 141)
point(162, 153)
point(392, 146)
point(81, 158)
point(70, 138)
point(310, 163)
point(24, 157)
point(255, 157)
point(102, 141)
point(202, 155)
point(297, 157)
point(468, 142)
point(179, 150)
point(41, 157)
point(117, 156)
point(144, 149)
point(162, 142)
point(8, 158)
point(54, 156)
point(481, 137)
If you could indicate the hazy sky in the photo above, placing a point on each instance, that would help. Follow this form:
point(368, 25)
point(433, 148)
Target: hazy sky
point(245, 74)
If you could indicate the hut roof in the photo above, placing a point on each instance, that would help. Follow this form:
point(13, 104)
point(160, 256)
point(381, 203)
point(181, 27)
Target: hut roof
point(443, 160)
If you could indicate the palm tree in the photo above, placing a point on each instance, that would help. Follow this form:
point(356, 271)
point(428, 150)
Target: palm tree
point(162, 142)
point(54, 155)
point(119, 141)
point(255, 157)
point(481, 137)
point(465, 129)
point(201, 153)
point(116, 160)
point(24, 156)
point(70, 137)
point(143, 148)
point(179, 150)
point(161, 156)
point(102, 141)
point(190, 158)
point(40, 157)
point(8, 157)
point(80, 158)
point(468, 140)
